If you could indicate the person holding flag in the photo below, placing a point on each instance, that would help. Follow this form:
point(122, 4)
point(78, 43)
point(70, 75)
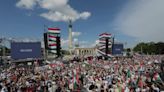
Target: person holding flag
point(157, 78)
point(158, 81)
point(75, 79)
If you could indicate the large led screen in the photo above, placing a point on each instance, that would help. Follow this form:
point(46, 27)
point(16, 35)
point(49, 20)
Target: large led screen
point(117, 49)
point(24, 50)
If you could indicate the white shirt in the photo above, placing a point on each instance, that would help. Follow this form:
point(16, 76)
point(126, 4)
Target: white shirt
point(4, 89)
point(137, 89)
point(127, 89)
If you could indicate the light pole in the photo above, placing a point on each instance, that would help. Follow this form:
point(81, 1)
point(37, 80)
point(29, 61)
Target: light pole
point(141, 50)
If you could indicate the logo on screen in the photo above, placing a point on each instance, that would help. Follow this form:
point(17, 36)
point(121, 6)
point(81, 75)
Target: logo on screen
point(25, 50)
point(118, 49)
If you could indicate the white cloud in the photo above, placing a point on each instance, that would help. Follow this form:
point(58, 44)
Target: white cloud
point(86, 44)
point(94, 44)
point(52, 4)
point(75, 40)
point(27, 4)
point(142, 19)
point(82, 44)
point(64, 42)
point(85, 15)
point(54, 16)
point(76, 34)
point(57, 10)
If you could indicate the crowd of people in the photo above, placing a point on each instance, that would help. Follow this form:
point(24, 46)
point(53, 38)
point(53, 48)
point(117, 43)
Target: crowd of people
point(136, 74)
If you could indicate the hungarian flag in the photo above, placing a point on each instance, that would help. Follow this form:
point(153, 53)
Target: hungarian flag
point(103, 47)
point(54, 30)
point(52, 47)
point(157, 77)
point(53, 51)
point(52, 39)
point(54, 44)
point(140, 82)
point(105, 35)
point(102, 41)
point(75, 79)
point(51, 36)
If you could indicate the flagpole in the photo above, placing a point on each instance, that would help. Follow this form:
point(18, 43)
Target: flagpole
point(45, 50)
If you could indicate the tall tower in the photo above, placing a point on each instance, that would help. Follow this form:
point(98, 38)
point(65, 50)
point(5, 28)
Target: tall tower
point(105, 44)
point(70, 36)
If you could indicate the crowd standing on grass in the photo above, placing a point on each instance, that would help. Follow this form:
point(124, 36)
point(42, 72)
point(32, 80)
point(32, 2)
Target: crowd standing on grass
point(136, 74)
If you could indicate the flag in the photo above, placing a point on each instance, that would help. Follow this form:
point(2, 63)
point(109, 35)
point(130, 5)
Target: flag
point(141, 67)
point(54, 30)
point(53, 44)
point(51, 36)
point(157, 77)
point(140, 83)
point(128, 75)
point(75, 79)
point(53, 51)
point(52, 39)
point(105, 35)
point(52, 65)
point(103, 47)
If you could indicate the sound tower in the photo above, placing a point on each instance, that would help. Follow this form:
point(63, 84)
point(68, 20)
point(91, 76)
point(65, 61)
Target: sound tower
point(58, 46)
point(45, 41)
point(106, 46)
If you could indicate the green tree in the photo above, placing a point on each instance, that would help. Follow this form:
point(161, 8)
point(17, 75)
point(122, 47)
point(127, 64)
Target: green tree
point(159, 48)
point(128, 50)
point(149, 48)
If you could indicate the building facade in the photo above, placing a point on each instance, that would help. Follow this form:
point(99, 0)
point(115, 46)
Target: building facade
point(85, 51)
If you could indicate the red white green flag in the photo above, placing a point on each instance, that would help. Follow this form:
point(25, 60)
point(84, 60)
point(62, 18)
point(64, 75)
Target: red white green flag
point(157, 77)
point(52, 36)
point(53, 51)
point(54, 44)
point(75, 79)
point(54, 30)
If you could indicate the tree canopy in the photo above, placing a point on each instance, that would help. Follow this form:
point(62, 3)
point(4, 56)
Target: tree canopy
point(149, 48)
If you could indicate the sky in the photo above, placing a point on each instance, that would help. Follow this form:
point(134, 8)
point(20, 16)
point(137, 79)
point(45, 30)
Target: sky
point(129, 21)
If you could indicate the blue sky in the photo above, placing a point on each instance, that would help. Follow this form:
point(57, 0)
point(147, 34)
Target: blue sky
point(128, 20)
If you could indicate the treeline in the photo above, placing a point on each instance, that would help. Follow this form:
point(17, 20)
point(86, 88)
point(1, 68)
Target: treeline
point(150, 48)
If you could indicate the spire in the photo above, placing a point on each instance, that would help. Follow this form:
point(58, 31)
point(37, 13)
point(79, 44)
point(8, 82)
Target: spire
point(70, 34)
